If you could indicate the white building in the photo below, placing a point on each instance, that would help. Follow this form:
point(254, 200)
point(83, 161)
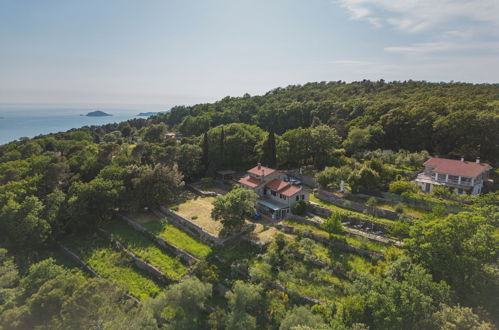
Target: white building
point(277, 193)
point(462, 176)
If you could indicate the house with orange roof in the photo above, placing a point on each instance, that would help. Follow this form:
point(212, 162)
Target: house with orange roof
point(463, 177)
point(278, 193)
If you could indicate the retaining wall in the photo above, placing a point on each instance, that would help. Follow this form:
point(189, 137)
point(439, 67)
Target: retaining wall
point(200, 192)
point(183, 223)
point(79, 261)
point(186, 256)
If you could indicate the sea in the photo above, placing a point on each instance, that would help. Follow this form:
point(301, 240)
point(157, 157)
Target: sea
point(17, 121)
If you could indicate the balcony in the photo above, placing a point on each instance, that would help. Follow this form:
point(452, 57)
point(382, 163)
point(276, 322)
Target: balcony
point(423, 177)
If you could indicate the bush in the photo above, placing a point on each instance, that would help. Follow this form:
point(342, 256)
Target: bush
point(207, 182)
point(174, 208)
point(333, 224)
point(372, 201)
point(300, 208)
point(400, 187)
point(194, 217)
point(399, 208)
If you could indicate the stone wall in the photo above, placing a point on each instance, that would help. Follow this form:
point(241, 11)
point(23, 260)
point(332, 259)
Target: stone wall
point(78, 260)
point(200, 192)
point(89, 269)
point(187, 225)
point(186, 257)
point(299, 298)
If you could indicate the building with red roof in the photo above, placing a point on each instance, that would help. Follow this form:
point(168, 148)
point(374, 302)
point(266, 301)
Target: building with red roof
point(463, 177)
point(278, 193)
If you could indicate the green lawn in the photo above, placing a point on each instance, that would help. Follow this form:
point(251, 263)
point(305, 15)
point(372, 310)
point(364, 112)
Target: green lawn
point(177, 237)
point(145, 249)
point(113, 265)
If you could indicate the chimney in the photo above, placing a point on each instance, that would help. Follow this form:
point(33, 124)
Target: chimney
point(462, 158)
point(478, 160)
point(259, 165)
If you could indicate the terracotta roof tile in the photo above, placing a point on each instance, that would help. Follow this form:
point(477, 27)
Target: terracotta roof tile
point(456, 167)
point(250, 181)
point(290, 190)
point(277, 184)
point(258, 171)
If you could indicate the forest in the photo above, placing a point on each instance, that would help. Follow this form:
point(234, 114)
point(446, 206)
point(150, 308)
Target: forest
point(68, 190)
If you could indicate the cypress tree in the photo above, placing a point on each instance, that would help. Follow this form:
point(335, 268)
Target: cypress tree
point(270, 150)
point(206, 152)
point(222, 147)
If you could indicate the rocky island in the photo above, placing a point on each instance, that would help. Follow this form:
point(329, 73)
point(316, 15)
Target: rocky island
point(97, 113)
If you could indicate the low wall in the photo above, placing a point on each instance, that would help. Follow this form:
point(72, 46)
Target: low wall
point(357, 207)
point(295, 296)
point(186, 257)
point(200, 192)
point(79, 261)
point(351, 231)
point(89, 269)
point(183, 223)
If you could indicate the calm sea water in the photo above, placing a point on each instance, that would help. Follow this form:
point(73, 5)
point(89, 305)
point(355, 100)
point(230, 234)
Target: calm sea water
point(18, 122)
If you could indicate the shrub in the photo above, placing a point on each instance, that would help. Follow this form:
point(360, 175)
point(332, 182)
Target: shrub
point(333, 224)
point(174, 208)
point(207, 182)
point(400, 187)
point(399, 208)
point(300, 208)
point(372, 201)
point(194, 217)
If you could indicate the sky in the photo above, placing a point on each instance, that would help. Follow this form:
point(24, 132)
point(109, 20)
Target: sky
point(158, 52)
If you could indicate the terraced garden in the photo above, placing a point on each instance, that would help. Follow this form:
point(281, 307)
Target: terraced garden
point(175, 236)
point(360, 242)
point(109, 263)
point(145, 249)
point(352, 214)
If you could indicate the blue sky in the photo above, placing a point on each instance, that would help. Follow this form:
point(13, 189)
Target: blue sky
point(156, 52)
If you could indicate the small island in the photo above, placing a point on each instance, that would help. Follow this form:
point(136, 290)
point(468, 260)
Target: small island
point(97, 113)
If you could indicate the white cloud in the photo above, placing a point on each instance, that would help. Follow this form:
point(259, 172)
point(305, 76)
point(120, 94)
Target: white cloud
point(421, 15)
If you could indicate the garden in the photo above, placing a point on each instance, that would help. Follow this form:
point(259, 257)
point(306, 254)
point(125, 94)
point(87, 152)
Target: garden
point(109, 263)
point(145, 249)
point(174, 236)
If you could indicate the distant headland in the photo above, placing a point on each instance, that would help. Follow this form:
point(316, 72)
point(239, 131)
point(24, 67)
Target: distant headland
point(97, 113)
point(147, 114)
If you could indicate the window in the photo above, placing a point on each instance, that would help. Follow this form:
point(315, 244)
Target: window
point(273, 192)
point(297, 197)
point(302, 197)
point(282, 196)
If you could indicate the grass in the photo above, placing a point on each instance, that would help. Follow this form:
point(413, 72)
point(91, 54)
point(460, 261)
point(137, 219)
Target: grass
point(360, 242)
point(238, 251)
point(177, 237)
point(264, 234)
point(313, 282)
point(113, 265)
point(352, 214)
point(200, 207)
point(147, 250)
